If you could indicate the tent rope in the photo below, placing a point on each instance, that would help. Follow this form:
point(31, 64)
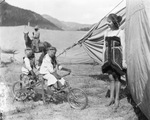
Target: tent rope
point(64, 51)
point(96, 25)
point(87, 35)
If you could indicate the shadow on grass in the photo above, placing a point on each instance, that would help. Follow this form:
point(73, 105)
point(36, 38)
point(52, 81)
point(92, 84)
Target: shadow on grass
point(103, 89)
point(123, 93)
point(60, 98)
point(137, 110)
point(102, 77)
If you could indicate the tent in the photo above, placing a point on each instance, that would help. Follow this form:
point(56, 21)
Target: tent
point(92, 43)
point(137, 31)
point(136, 23)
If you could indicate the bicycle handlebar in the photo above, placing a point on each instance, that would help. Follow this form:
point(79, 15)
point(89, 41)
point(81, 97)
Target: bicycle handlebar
point(66, 74)
point(40, 76)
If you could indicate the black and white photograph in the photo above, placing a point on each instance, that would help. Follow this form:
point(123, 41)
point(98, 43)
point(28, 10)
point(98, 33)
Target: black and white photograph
point(74, 60)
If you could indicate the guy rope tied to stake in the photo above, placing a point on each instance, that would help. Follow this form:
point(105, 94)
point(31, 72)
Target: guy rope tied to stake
point(67, 49)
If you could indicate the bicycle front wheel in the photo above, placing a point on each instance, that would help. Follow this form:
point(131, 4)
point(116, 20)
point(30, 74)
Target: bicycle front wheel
point(77, 98)
point(18, 91)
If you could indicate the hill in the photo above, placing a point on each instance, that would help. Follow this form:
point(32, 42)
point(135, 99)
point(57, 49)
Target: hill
point(14, 16)
point(67, 25)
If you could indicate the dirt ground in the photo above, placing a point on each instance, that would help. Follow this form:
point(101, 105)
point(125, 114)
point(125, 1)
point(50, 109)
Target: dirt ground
point(85, 76)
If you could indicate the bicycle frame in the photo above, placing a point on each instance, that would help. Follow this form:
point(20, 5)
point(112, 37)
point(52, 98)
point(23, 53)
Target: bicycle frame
point(36, 84)
point(41, 81)
point(74, 96)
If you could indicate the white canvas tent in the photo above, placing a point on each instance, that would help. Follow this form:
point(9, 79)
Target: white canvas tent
point(136, 23)
point(137, 30)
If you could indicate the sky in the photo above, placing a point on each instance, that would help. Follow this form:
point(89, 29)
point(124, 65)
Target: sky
point(80, 11)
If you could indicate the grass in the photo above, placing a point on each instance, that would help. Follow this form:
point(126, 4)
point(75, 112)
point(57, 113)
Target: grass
point(81, 77)
point(85, 76)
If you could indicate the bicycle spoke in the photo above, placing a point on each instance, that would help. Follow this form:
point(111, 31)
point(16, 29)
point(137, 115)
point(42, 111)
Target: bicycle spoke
point(18, 91)
point(77, 98)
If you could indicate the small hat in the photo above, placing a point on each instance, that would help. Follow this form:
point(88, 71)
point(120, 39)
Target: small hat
point(115, 18)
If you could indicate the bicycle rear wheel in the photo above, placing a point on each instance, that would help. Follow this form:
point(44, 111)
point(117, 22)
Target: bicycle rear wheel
point(19, 92)
point(77, 98)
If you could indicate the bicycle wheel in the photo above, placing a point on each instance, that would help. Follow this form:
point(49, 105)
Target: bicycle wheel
point(19, 92)
point(77, 98)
